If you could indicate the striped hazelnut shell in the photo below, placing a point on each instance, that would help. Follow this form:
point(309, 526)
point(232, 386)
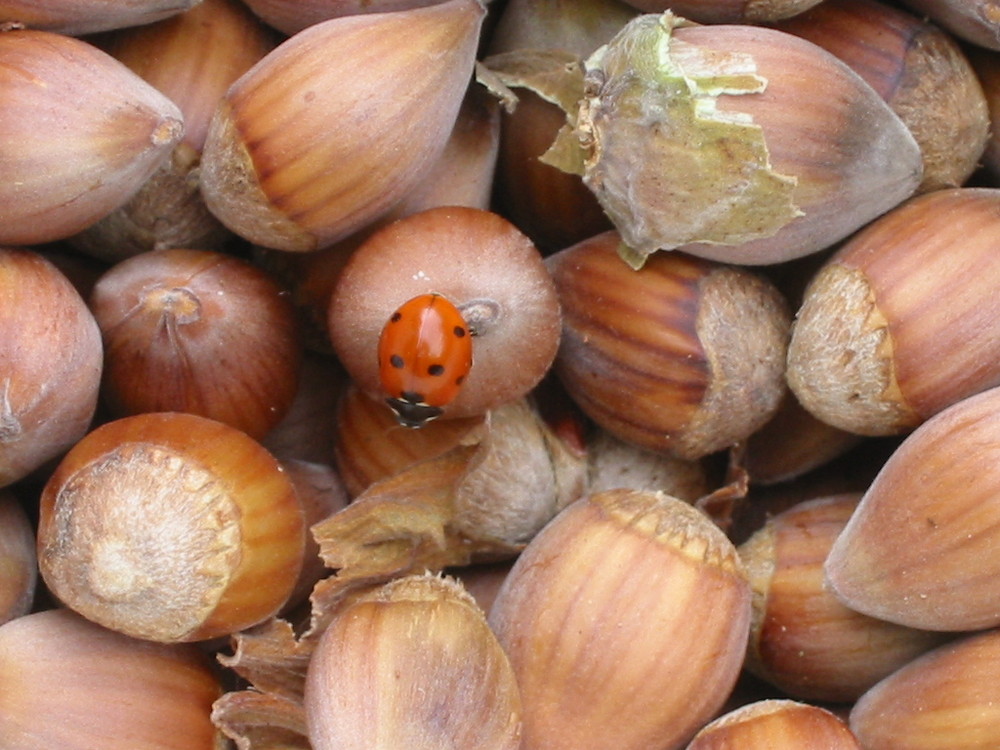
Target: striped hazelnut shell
point(685, 355)
point(946, 699)
point(411, 664)
point(82, 686)
point(625, 620)
point(803, 639)
point(53, 362)
point(170, 527)
point(902, 320)
point(77, 17)
point(775, 724)
point(921, 72)
point(922, 547)
point(192, 58)
point(338, 123)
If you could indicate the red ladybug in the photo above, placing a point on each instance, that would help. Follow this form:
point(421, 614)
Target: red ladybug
point(424, 355)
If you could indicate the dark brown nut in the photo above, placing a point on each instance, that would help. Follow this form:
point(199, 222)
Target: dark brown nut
point(199, 332)
point(18, 563)
point(792, 443)
point(552, 207)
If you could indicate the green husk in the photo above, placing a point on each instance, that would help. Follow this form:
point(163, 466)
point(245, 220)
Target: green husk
point(645, 132)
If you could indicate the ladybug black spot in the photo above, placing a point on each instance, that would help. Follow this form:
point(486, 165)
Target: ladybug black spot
point(459, 332)
point(396, 317)
point(435, 370)
point(459, 380)
point(396, 361)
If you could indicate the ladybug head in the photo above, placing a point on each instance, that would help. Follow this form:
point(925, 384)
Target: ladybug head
point(413, 414)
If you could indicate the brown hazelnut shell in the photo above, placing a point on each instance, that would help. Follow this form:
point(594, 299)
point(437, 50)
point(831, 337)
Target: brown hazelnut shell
point(265, 170)
point(922, 547)
point(973, 21)
point(625, 620)
point(775, 724)
point(803, 639)
point(685, 355)
point(552, 207)
point(77, 17)
point(901, 320)
point(170, 527)
point(370, 444)
point(80, 686)
point(53, 355)
point(199, 332)
point(414, 664)
point(192, 58)
point(18, 563)
point(920, 71)
point(470, 256)
point(945, 699)
point(82, 133)
point(727, 11)
point(292, 16)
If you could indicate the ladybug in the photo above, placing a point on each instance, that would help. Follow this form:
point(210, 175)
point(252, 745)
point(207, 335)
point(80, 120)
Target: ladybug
point(424, 355)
